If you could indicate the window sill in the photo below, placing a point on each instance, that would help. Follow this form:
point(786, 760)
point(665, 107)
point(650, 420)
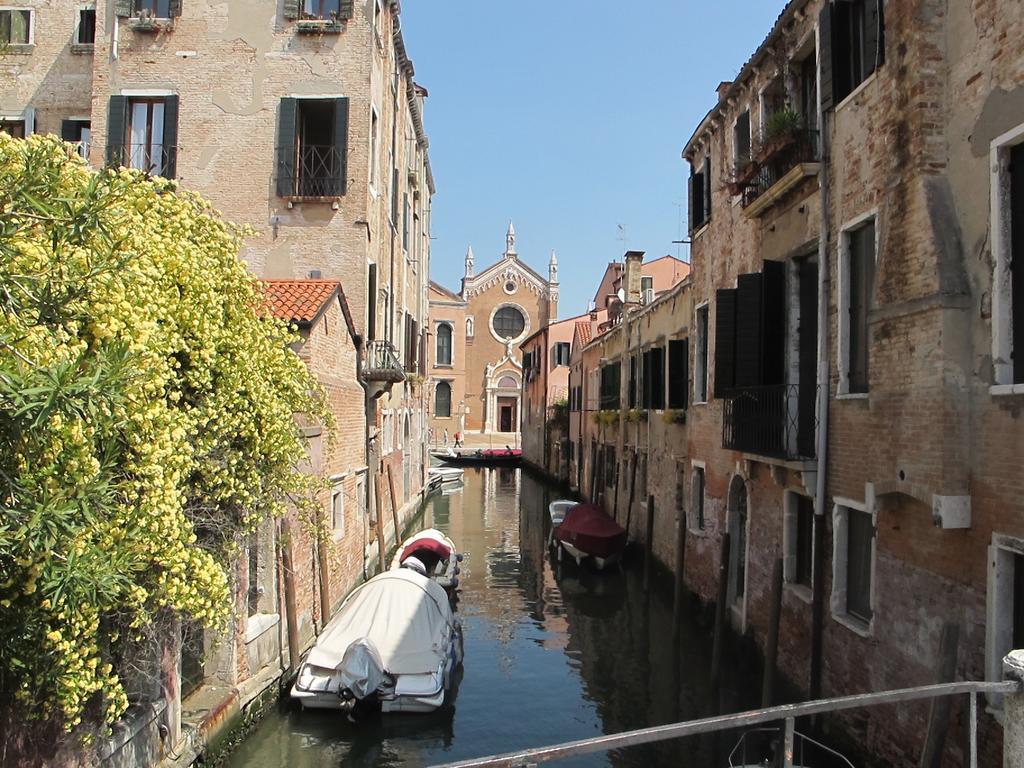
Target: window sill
point(150, 25)
point(853, 395)
point(1001, 390)
point(699, 402)
point(83, 49)
point(855, 625)
point(319, 27)
point(802, 592)
point(17, 49)
point(445, 366)
point(852, 95)
point(333, 200)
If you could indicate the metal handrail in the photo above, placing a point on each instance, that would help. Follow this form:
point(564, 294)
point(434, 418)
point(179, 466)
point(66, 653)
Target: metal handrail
point(658, 733)
point(742, 743)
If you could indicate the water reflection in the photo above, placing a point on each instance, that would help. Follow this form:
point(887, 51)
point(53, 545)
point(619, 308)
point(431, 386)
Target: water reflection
point(553, 653)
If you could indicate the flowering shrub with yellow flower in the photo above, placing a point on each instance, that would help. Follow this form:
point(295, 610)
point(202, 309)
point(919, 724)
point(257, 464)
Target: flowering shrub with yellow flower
point(147, 421)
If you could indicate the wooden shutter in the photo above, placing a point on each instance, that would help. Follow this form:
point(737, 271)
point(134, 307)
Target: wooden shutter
point(371, 303)
point(340, 144)
point(807, 356)
point(690, 221)
point(117, 129)
point(123, 8)
point(291, 9)
point(174, 8)
point(1016, 170)
point(287, 126)
point(825, 41)
point(69, 130)
point(697, 185)
point(632, 381)
point(749, 289)
point(862, 269)
point(678, 372)
point(657, 378)
point(169, 164)
point(346, 8)
point(773, 356)
point(707, 186)
point(725, 341)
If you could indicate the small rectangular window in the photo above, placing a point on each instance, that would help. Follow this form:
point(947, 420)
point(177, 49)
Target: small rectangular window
point(562, 353)
point(338, 510)
point(321, 9)
point(860, 537)
point(678, 372)
point(741, 140)
point(698, 498)
point(15, 26)
point(804, 541)
point(13, 128)
point(86, 32)
point(158, 9)
point(861, 272)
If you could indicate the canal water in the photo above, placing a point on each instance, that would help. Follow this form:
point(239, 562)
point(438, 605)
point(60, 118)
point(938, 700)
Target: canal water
point(552, 653)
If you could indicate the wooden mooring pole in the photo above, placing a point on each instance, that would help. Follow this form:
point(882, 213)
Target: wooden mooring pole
point(680, 582)
point(771, 654)
point(394, 506)
point(649, 543)
point(720, 609)
point(381, 548)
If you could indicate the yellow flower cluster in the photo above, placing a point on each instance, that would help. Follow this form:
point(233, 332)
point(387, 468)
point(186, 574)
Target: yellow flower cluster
point(146, 414)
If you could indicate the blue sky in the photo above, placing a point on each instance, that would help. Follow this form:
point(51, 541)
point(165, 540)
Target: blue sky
point(568, 118)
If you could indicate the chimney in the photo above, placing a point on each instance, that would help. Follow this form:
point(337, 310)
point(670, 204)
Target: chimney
point(631, 282)
point(722, 88)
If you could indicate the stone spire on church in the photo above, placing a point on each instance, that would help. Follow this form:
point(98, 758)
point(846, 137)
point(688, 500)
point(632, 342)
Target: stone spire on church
point(469, 261)
point(510, 241)
point(553, 269)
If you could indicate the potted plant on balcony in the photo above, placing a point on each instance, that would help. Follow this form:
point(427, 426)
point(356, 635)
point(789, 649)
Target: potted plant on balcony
point(780, 132)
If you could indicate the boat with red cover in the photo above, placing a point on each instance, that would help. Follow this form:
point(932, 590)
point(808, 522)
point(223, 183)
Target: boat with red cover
point(587, 531)
point(437, 555)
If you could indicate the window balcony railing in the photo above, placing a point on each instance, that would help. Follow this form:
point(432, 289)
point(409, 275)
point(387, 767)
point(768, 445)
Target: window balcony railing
point(776, 160)
point(775, 421)
point(382, 363)
point(312, 171)
point(154, 159)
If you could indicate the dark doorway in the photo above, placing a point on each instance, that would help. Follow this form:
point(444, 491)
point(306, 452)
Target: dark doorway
point(506, 414)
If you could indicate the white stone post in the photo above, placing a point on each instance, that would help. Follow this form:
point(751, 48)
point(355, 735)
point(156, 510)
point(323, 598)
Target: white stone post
point(1013, 712)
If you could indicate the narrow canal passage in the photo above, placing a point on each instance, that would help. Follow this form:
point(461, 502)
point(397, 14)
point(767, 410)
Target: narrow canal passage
point(550, 656)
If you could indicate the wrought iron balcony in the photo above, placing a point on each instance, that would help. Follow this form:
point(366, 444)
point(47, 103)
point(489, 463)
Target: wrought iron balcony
point(778, 165)
point(311, 171)
point(774, 421)
point(154, 159)
point(381, 362)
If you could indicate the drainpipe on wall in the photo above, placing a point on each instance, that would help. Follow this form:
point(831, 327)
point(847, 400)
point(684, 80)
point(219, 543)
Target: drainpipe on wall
point(368, 409)
point(818, 602)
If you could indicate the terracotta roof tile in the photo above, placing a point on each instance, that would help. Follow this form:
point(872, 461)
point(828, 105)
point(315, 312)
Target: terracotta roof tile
point(586, 331)
point(298, 301)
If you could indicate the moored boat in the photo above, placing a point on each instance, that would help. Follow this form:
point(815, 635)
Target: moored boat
point(436, 553)
point(447, 475)
point(393, 647)
point(489, 457)
point(587, 532)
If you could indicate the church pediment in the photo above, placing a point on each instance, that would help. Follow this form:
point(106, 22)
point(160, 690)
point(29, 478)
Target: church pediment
point(506, 270)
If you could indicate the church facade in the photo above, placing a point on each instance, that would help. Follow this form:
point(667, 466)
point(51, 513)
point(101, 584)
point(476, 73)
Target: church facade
point(476, 368)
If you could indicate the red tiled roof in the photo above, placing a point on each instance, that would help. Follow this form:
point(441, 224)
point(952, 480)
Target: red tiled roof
point(299, 301)
point(585, 330)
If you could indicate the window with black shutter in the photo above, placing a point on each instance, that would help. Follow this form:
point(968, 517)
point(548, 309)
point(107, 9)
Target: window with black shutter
point(698, 498)
point(725, 341)
point(371, 302)
point(1016, 169)
point(852, 34)
point(697, 198)
point(654, 373)
point(741, 140)
point(312, 148)
point(700, 377)
point(749, 329)
point(861, 258)
point(85, 32)
point(632, 380)
point(561, 353)
point(678, 372)
point(79, 133)
point(610, 386)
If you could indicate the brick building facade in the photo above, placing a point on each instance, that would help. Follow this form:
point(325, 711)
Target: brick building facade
point(302, 122)
point(853, 382)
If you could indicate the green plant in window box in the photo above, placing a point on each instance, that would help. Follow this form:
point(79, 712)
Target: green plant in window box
point(637, 415)
point(780, 131)
point(319, 27)
point(674, 416)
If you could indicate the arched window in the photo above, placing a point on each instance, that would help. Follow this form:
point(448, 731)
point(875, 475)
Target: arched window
point(509, 322)
point(443, 400)
point(444, 344)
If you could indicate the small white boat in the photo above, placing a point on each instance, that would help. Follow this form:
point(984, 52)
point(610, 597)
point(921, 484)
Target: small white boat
point(393, 647)
point(437, 555)
point(448, 475)
point(557, 510)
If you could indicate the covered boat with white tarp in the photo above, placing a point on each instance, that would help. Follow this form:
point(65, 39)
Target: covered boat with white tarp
point(394, 645)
